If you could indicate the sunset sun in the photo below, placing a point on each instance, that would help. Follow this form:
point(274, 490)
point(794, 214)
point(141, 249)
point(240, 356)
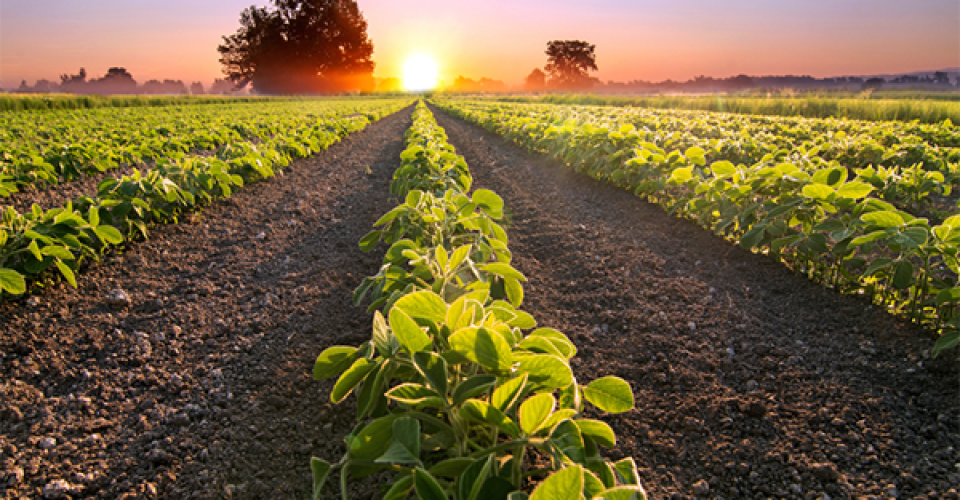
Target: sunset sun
point(419, 73)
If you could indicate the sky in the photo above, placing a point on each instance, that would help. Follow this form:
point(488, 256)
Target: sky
point(504, 39)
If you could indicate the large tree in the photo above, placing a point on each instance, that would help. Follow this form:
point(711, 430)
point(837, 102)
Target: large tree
point(300, 46)
point(568, 63)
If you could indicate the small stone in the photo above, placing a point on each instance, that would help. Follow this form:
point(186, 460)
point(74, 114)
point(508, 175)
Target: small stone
point(692, 326)
point(47, 443)
point(176, 330)
point(756, 409)
point(328, 429)
point(701, 488)
point(150, 489)
point(58, 488)
point(892, 491)
point(118, 298)
point(14, 476)
point(93, 440)
point(261, 235)
point(33, 302)
point(826, 472)
point(752, 385)
point(158, 456)
point(796, 489)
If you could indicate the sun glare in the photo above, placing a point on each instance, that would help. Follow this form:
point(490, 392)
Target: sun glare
point(419, 73)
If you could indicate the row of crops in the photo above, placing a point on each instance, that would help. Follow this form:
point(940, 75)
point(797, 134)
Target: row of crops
point(199, 154)
point(862, 207)
point(450, 392)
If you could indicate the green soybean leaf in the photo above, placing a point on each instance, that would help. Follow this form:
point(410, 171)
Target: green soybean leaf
point(459, 255)
point(504, 270)
point(559, 416)
point(514, 291)
point(405, 447)
point(383, 338)
point(558, 339)
point(12, 282)
point(451, 467)
point(518, 495)
point(35, 249)
point(109, 234)
point(62, 253)
point(592, 485)
point(604, 471)
point(473, 386)
point(350, 378)
point(507, 393)
point(433, 368)
point(754, 236)
point(598, 431)
point(407, 331)
point(321, 470)
point(535, 411)
point(883, 218)
point(949, 296)
point(67, 273)
point(490, 202)
point(368, 242)
point(610, 394)
point(400, 489)
point(373, 439)
point(903, 275)
point(946, 341)
point(483, 412)
point(484, 347)
point(854, 190)
point(423, 304)
point(546, 370)
point(473, 477)
point(818, 191)
point(333, 361)
point(566, 438)
point(628, 492)
point(566, 484)
point(427, 486)
point(627, 471)
point(416, 395)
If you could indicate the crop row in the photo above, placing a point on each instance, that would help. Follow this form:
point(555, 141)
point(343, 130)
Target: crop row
point(814, 218)
point(123, 208)
point(904, 170)
point(51, 147)
point(451, 393)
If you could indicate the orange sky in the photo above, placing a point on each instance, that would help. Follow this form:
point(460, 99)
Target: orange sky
point(504, 40)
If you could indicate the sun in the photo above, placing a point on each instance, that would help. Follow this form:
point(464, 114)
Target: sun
point(419, 73)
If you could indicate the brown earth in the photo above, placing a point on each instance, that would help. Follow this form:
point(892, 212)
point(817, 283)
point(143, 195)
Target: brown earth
point(200, 387)
point(751, 382)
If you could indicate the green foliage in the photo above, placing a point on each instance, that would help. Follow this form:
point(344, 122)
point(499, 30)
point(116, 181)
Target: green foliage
point(40, 240)
point(467, 391)
point(834, 200)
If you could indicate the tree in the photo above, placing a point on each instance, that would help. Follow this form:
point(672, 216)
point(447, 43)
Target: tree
point(300, 46)
point(196, 88)
point(536, 80)
point(116, 81)
point(873, 83)
point(568, 62)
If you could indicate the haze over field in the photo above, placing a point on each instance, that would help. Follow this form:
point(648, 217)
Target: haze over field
point(502, 39)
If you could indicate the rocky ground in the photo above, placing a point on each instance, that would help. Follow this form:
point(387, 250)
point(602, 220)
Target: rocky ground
point(751, 382)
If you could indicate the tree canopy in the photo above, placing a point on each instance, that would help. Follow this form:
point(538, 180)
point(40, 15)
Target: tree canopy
point(300, 46)
point(568, 63)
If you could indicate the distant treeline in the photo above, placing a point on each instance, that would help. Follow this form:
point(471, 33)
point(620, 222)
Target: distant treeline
point(939, 80)
point(118, 81)
point(924, 111)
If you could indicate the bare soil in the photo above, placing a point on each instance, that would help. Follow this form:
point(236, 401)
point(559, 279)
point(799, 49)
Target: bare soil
point(201, 386)
point(751, 382)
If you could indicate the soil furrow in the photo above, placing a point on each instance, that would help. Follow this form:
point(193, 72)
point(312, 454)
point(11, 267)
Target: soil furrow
point(751, 382)
point(199, 386)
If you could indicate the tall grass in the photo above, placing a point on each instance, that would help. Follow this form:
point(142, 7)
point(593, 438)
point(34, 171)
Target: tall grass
point(903, 109)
